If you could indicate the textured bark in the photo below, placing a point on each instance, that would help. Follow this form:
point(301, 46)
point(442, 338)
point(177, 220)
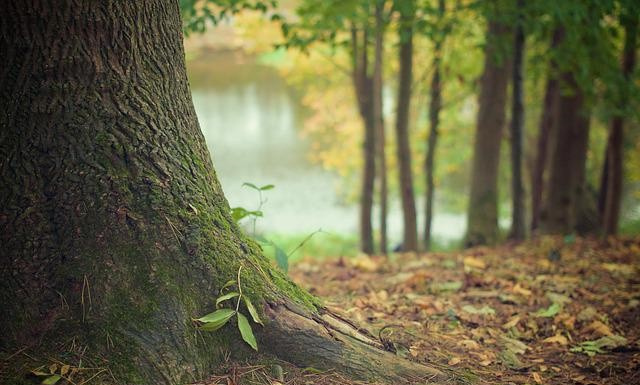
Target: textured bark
point(363, 85)
point(410, 229)
point(566, 193)
point(613, 172)
point(114, 229)
point(517, 129)
point(540, 173)
point(435, 105)
point(483, 201)
point(378, 117)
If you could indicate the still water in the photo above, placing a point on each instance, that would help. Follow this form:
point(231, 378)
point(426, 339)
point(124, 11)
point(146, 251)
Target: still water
point(252, 121)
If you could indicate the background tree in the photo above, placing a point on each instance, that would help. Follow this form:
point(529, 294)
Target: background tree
point(545, 125)
point(378, 116)
point(611, 190)
point(517, 126)
point(483, 200)
point(435, 105)
point(115, 230)
point(406, 11)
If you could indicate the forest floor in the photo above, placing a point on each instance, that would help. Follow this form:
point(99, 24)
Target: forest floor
point(548, 311)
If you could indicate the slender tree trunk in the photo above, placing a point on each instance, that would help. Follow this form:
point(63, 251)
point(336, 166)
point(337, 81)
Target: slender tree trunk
point(379, 123)
point(567, 166)
point(410, 229)
point(540, 173)
point(363, 85)
point(115, 232)
point(517, 129)
point(435, 105)
point(483, 201)
point(542, 156)
point(614, 154)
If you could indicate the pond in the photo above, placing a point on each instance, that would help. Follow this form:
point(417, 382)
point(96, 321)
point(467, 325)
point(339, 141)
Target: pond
point(252, 121)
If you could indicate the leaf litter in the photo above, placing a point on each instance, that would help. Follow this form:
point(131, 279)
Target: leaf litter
point(545, 311)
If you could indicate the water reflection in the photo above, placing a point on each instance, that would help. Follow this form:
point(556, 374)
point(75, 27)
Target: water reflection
point(251, 121)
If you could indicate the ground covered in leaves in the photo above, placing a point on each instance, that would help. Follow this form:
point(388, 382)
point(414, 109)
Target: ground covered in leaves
point(549, 311)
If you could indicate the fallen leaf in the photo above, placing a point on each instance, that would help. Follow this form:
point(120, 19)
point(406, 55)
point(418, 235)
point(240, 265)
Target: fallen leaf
point(454, 361)
point(548, 312)
point(474, 262)
point(521, 290)
point(513, 321)
point(600, 328)
point(485, 310)
point(558, 339)
point(536, 377)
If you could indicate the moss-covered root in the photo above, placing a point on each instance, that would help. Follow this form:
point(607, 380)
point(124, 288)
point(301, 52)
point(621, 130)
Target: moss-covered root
point(324, 341)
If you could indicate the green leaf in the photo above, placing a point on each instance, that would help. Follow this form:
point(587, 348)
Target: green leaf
point(237, 213)
point(267, 187)
point(246, 332)
point(282, 259)
point(229, 283)
point(225, 297)
point(51, 379)
point(551, 311)
point(253, 186)
point(216, 320)
point(252, 311)
point(485, 310)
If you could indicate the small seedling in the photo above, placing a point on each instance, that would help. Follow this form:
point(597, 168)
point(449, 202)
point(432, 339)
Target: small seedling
point(220, 317)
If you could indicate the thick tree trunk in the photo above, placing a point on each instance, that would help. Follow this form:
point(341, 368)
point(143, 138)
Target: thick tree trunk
point(565, 196)
point(378, 117)
point(435, 105)
point(363, 85)
point(613, 174)
point(483, 200)
point(114, 229)
point(410, 229)
point(517, 129)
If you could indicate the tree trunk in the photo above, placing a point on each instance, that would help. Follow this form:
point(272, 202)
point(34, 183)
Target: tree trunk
point(115, 232)
point(363, 85)
point(410, 229)
point(517, 129)
point(379, 124)
point(540, 173)
point(435, 105)
point(566, 190)
point(612, 191)
point(483, 201)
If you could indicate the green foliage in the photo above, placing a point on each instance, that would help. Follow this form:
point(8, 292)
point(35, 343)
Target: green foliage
point(220, 317)
point(196, 14)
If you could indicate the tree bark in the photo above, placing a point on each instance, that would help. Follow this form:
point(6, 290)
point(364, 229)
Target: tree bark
point(378, 116)
point(435, 105)
point(566, 190)
point(115, 232)
point(613, 171)
point(517, 128)
point(363, 85)
point(483, 201)
point(546, 125)
point(410, 229)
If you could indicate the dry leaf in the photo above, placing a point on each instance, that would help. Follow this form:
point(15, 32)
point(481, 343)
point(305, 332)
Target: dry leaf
point(454, 361)
point(513, 321)
point(469, 344)
point(474, 262)
point(600, 328)
point(537, 378)
point(521, 290)
point(558, 339)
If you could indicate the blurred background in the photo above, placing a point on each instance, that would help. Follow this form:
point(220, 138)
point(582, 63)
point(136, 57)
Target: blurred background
point(283, 99)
